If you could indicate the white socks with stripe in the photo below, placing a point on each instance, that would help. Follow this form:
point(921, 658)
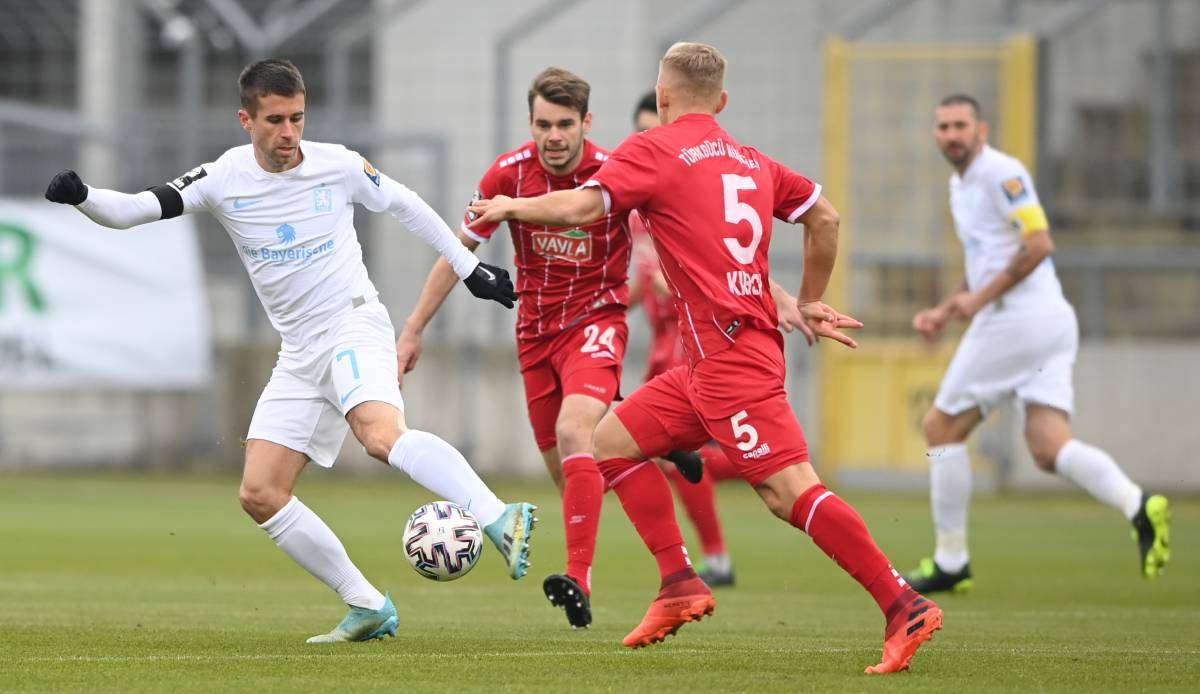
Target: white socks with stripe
point(950, 497)
point(440, 468)
point(1098, 474)
point(304, 537)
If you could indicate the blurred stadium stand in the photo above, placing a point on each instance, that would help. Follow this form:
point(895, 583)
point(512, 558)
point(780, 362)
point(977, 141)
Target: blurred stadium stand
point(132, 93)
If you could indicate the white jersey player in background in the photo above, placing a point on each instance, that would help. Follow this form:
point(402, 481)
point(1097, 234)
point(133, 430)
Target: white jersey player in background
point(287, 204)
point(1021, 344)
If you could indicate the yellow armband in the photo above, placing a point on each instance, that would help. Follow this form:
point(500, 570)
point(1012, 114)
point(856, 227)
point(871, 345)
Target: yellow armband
point(1029, 219)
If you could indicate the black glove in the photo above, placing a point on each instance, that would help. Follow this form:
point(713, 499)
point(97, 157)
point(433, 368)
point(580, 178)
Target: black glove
point(491, 282)
point(66, 188)
point(690, 464)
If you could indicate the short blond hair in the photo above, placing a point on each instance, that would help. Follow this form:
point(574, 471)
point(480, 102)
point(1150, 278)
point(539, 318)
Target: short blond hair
point(700, 67)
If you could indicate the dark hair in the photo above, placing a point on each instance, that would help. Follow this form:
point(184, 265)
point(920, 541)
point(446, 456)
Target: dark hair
point(265, 77)
point(562, 87)
point(963, 100)
point(648, 103)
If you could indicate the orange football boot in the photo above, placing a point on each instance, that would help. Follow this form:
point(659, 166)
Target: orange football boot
point(906, 631)
point(676, 605)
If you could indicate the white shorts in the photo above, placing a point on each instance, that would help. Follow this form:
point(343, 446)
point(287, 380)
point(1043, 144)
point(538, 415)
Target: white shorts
point(305, 403)
point(1006, 355)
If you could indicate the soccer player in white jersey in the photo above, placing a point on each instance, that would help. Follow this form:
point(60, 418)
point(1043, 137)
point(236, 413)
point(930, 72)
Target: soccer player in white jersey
point(287, 204)
point(1021, 344)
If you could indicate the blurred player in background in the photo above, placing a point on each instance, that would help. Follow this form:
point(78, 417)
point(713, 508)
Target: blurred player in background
point(287, 204)
point(1021, 344)
point(708, 203)
point(571, 327)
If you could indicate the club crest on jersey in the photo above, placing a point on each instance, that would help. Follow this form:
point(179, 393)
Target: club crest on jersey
point(370, 172)
point(323, 200)
point(572, 245)
point(1014, 189)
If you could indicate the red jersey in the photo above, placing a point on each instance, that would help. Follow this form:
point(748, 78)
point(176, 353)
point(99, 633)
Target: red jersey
point(563, 274)
point(707, 202)
point(665, 350)
point(660, 310)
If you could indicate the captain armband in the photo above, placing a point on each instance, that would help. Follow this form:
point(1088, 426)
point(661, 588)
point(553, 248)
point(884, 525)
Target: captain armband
point(1029, 219)
point(169, 199)
point(170, 194)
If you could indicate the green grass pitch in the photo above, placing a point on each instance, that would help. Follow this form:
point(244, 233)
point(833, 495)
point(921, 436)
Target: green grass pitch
point(123, 583)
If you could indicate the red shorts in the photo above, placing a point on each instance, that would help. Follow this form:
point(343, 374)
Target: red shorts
point(584, 359)
point(735, 397)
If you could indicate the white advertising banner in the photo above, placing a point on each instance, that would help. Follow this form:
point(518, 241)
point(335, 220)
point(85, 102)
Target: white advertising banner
point(86, 306)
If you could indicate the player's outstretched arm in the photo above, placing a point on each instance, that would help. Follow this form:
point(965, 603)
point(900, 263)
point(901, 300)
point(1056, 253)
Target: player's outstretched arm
point(821, 320)
point(931, 321)
point(1035, 247)
point(482, 280)
point(561, 208)
point(820, 248)
point(105, 207)
point(440, 282)
point(788, 308)
point(820, 251)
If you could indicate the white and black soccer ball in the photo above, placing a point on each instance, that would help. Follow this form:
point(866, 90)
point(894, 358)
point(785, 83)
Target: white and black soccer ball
point(442, 541)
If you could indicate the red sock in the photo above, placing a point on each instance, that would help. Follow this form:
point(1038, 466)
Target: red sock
point(716, 464)
point(700, 502)
point(583, 496)
point(841, 533)
point(646, 498)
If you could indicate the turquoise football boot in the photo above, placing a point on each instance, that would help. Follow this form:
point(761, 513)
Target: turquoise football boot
point(362, 624)
point(510, 533)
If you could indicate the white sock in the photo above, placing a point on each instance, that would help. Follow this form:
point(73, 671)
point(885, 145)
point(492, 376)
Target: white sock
point(718, 563)
point(304, 537)
point(1098, 474)
point(440, 468)
point(950, 497)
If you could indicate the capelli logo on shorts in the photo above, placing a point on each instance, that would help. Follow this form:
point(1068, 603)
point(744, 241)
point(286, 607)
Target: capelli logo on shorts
point(759, 452)
point(594, 389)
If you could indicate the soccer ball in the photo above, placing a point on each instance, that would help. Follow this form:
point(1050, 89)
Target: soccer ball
point(443, 541)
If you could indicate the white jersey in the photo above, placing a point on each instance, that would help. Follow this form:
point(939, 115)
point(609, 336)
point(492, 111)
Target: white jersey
point(994, 204)
point(295, 234)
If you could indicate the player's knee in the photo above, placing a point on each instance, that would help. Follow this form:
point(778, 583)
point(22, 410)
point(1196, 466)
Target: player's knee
point(938, 428)
point(931, 427)
point(780, 506)
point(573, 437)
point(604, 449)
point(377, 436)
point(261, 501)
point(1043, 450)
point(378, 442)
point(610, 440)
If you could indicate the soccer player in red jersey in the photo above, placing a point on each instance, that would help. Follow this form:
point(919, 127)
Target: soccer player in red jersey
point(708, 202)
point(648, 289)
point(571, 328)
